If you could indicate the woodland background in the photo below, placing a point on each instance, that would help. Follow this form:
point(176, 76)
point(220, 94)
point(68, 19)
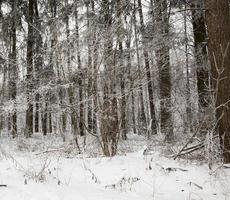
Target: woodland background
point(108, 69)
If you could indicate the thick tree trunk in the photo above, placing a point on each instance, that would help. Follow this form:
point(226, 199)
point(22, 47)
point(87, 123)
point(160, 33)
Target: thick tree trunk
point(188, 120)
point(148, 72)
point(38, 64)
point(109, 117)
point(200, 36)
point(163, 62)
point(52, 62)
point(218, 25)
point(95, 71)
point(29, 76)
point(62, 90)
point(50, 121)
point(121, 69)
point(44, 120)
point(129, 68)
point(13, 72)
point(89, 67)
point(141, 108)
point(80, 74)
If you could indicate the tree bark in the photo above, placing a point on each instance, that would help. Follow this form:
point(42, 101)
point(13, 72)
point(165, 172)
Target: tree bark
point(13, 71)
point(95, 45)
point(89, 68)
point(163, 62)
point(141, 108)
point(80, 74)
point(29, 76)
point(109, 115)
point(218, 25)
point(44, 120)
point(121, 69)
point(148, 72)
point(200, 37)
point(38, 63)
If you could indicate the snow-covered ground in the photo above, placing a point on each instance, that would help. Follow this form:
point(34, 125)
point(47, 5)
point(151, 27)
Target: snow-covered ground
point(35, 174)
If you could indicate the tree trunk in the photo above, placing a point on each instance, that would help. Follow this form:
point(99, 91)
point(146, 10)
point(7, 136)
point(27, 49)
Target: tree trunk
point(163, 62)
point(148, 72)
point(38, 64)
point(80, 74)
point(200, 36)
point(13, 72)
point(89, 68)
point(29, 76)
point(129, 68)
point(109, 117)
point(95, 71)
point(188, 121)
point(53, 60)
point(141, 108)
point(44, 120)
point(218, 25)
point(50, 121)
point(121, 69)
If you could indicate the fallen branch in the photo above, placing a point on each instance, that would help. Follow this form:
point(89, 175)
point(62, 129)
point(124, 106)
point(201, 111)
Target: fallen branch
point(191, 149)
point(198, 186)
point(173, 169)
point(3, 185)
point(198, 147)
point(49, 151)
point(189, 141)
point(195, 146)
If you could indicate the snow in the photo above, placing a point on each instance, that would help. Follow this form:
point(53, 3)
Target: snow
point(53, 175)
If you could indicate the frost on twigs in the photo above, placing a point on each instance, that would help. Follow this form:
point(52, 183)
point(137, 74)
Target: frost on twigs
point(38, 175)
point(124, 184)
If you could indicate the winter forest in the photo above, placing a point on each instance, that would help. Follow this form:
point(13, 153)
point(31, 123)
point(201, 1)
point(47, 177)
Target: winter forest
point(114, 99)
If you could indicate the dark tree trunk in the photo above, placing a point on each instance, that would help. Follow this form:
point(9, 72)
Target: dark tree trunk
point(29, 76)
point(129, 68)
point(13, 72)
point(109, 117)
point(121, 69)
point(188, 120)
point(141, 108)
point(73, 115)
point(95, 70)
point(44, 120)
point(89, 68)
point(62, 90)
point(50, 122)
point(38, 63)
point(163, 62)
point(200, 37)
point(148, 72)
point(218, 25)
point(49, 74)
point(80, 74)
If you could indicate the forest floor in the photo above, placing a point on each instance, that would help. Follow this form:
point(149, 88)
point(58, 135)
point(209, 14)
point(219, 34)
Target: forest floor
point(41, 169)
